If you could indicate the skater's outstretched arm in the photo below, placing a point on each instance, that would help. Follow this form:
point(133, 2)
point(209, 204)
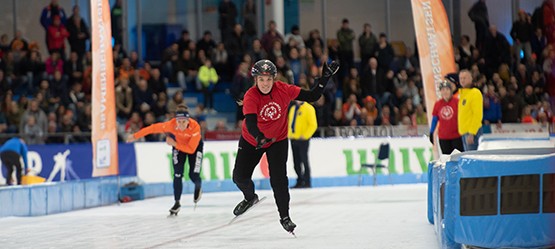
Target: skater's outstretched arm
point(152, 129)
point(314, 94)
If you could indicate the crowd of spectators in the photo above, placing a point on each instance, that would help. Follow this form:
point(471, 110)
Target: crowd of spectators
point(47, 94)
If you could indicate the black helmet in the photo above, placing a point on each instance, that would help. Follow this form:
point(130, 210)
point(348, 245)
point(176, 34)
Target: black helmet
point(443, 84)
point(264, 67)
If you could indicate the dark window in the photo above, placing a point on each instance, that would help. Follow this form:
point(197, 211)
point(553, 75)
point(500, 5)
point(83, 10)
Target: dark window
point(520, 194)
point(478, 196)
point(549, 193)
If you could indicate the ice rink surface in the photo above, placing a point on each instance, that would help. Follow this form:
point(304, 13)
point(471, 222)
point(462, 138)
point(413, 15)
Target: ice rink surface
point(340, 217)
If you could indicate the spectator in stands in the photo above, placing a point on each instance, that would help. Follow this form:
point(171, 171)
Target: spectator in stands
point(160, 109)
point(59, 87)
point(74, 68)
point(296, 64)
point(236, 45)
point(492, 106)
point(135, 61)
point(116, 15)
point(367, 42)
point(155, 82)
point(14, 116)
point(470, 112)
point(250, 20)
point(521, 32)
point(497, 50)
point(57, 34)
point(529, 96)
point(37, 113)
point(241, 83)
point(176, 100)
point(134, 124)
point(384, 52)
point(372, 80)
point(10, 154)
point(186, 70)
point(295, 35)
point(33, 68)
point(184, 40)
point(124, 99)
point(84, 119)
point(302, 125)
point(464, 59)
point(148, 121)
point(76, 98)
point(126, 71)
point(32, 132)
point(67, 123)
point(119, 54)
point(208, 77)
point(386, 117)
point(351, 109)
point(78, 33)
point(284, 70)
point(220, 126)
point(54, 63)
point(206, 44)
point(478, 13)
point(337, 119)
point(353, 88)
point(420, 115)
point(538, 42)
point(346, 36)
point(220, 60)
point(144, 72)
point(19, 43)
point(48, 14)
point(143, 97)
point(371, 109)
point(270, 37)
point(227, 18)
point(527, 117)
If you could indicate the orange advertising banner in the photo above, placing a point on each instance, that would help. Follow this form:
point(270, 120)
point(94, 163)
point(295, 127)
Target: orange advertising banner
point(435, 47)
point(104, 127)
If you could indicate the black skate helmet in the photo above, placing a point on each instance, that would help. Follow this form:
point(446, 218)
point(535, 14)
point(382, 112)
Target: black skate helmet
point(443, 84)
point(264, 67)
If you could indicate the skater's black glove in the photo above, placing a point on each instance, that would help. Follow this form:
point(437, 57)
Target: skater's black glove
point(261, 140)
point(431, 139)
point(330, 70)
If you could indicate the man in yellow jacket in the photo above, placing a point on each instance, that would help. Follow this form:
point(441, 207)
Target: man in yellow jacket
point(208, 78)
point(471, 110)
point(302, 125)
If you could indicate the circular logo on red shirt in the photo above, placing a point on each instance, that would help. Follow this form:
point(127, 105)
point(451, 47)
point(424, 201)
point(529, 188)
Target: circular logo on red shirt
point(270, 111)
point(446, 112)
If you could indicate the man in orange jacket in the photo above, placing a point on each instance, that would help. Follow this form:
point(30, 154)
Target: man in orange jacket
point(183, 134)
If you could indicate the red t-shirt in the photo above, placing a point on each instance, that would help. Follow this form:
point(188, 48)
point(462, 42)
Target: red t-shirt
point(446, 111)
point(270, 110)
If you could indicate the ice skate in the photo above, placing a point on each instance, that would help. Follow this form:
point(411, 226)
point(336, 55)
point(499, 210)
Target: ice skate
point(244, 205)
point(288, 225)
point(175, 209)
point(197, 195)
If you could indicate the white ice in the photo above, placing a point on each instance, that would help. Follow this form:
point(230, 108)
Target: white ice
point(340, 217)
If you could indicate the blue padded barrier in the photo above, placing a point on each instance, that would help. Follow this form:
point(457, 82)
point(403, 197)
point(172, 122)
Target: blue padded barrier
point(50, 198)
point(527, 229)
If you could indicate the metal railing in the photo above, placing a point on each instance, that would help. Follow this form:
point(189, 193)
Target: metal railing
point(339, 131)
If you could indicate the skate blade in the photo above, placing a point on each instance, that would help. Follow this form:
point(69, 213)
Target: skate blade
point(293, 233)
point(195, 207)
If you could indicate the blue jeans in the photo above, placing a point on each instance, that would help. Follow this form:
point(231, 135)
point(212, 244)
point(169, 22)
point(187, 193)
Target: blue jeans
point(474, 146)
